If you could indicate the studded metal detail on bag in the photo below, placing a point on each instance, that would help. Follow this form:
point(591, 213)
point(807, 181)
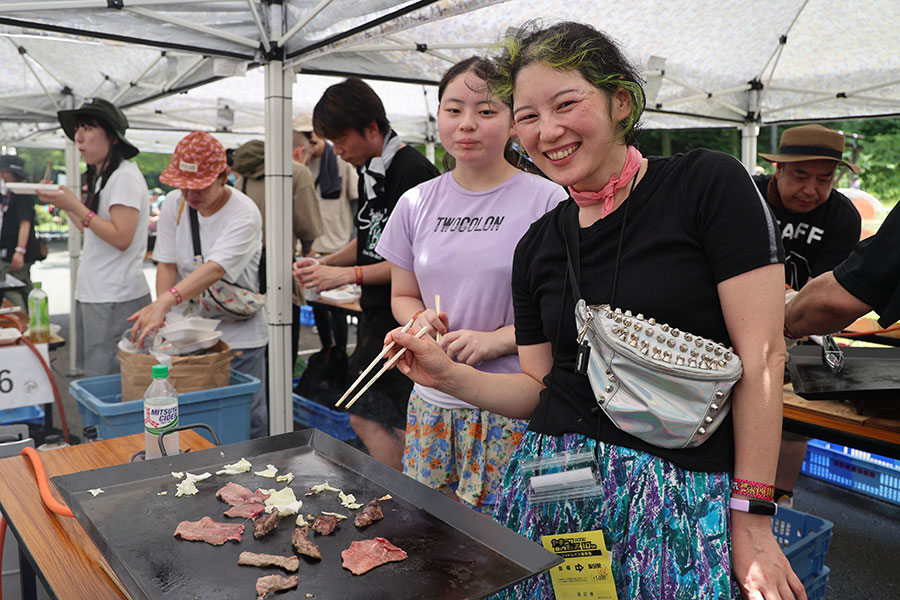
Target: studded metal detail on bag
point(664, 386)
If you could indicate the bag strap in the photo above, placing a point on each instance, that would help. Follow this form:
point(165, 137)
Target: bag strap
point(195, 231)
point(570, 233)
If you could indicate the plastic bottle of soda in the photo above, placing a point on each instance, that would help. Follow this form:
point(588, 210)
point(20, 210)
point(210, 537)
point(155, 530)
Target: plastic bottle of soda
point(38, 315)
point(160, 413)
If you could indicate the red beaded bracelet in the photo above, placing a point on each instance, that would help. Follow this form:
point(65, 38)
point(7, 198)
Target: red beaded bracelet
point(752, 489)
point(86, 221)
point(359, 275)
point(416, 316)
point(174, 292)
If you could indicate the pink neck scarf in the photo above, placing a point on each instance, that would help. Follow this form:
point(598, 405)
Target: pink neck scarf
point(632, 165)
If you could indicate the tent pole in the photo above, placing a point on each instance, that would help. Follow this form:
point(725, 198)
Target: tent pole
point(279, 234)
point(73, 181)
point(749, 133)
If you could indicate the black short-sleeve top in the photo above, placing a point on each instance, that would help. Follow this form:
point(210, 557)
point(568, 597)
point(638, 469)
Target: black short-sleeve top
point(693, 221)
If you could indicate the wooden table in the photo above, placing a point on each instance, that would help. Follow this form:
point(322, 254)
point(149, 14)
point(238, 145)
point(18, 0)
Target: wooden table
point(351, 308)
point(56, 548)
point(840, 423)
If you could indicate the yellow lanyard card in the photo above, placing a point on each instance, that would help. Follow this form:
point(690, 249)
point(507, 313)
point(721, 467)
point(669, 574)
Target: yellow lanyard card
point(586, 572)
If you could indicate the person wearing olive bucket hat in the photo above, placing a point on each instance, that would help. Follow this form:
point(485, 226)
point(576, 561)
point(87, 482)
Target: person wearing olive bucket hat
point(819, 227)
point(112, 213)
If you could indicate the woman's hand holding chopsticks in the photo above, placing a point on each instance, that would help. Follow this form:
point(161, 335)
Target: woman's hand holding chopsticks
point(423, 361)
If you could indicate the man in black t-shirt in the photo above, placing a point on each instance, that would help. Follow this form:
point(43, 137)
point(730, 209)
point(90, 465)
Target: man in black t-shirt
point(18, 246)
point(868, 280)
point(351, 116)
point(819, 227)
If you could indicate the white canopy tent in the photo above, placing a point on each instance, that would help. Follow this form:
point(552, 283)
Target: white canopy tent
point(708, 62)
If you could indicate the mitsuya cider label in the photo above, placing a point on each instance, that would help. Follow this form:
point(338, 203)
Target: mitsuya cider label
point(160, 417)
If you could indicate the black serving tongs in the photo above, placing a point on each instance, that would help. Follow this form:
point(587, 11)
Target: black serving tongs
point(832, 355)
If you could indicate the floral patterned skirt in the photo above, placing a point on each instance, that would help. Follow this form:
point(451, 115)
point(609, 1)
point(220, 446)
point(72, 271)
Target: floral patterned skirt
point(461, 450)
point(666, 529)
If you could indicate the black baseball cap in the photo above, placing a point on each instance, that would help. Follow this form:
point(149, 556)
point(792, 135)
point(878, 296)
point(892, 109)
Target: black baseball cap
point(14, 164)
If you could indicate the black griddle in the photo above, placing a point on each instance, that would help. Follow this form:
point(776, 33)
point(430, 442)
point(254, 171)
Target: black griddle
point(454, 552)
point(867, 374)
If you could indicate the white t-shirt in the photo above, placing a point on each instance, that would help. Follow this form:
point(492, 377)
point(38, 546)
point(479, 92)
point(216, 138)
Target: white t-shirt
point(108, 274)
point(232, 237)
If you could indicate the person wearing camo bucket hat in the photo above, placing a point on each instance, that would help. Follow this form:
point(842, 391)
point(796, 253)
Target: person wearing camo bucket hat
point(230, 234)
point(113, 213)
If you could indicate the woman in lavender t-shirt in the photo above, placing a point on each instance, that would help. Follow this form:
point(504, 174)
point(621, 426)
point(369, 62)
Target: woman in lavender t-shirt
point(454, 236)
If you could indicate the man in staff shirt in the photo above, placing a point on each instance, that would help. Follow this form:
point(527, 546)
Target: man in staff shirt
point(819, 227)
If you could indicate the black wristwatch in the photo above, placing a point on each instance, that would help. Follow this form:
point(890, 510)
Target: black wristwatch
point(756, 507)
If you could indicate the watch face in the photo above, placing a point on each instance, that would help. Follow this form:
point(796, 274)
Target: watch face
point(763, 507)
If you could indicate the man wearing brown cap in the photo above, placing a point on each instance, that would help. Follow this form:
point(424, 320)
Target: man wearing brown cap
point(819, 225)
point(819, 228)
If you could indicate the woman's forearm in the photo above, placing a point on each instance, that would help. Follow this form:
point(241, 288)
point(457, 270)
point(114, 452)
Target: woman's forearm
point(404, 307)
point(118, 231)
point(513, 395)
point(344, 257)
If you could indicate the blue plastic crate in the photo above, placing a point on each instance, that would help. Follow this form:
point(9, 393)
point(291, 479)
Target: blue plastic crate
point(870, 474)
point(225, 409)
point(315, 416)
point(815, 589)
point(804, 539)
point(33, 415)
point(306, 316)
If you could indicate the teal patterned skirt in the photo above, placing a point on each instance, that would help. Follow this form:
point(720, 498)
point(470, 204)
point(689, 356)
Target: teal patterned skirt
point(666, 529)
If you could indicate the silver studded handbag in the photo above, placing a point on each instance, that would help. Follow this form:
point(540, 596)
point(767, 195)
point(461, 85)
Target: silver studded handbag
point(669, 388)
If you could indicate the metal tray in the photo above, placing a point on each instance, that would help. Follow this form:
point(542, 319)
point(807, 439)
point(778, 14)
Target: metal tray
point(868, 374)
point(454, 552)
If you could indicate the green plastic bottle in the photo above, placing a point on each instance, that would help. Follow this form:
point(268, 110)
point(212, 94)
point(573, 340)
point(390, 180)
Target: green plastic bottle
point(160, 414)
point(38, 315)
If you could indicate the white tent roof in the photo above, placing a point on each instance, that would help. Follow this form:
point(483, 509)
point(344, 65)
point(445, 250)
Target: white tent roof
point(716, 62)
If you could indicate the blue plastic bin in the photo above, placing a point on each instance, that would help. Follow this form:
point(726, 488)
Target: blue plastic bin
point(225, 409)
point(315, 416)
point(870, 474)
point(815, 589)
point(804, 539)
point(306, 316)
point(33, 415)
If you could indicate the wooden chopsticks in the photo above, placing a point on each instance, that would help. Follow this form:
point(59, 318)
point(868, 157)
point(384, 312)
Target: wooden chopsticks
point(437, 309)
point(386, 366)
point(381, 354)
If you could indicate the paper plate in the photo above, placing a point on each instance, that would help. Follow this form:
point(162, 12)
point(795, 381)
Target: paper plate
point(346, 293)
point(31, 188)
point(8, 335)
point(174, 324)
point(188, 347)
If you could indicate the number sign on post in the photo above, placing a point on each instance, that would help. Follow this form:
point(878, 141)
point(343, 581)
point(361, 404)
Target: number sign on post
point(23, 380)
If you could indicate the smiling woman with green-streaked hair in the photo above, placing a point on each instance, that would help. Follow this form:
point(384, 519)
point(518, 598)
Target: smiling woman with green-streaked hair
point(685, 239)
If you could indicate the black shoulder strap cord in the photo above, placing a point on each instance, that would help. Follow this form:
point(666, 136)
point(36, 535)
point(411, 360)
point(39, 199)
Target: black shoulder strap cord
point(195, 236)
point(570, 233)
point(195, 231)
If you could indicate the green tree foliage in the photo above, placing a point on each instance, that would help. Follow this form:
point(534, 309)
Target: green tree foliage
point(151, 164)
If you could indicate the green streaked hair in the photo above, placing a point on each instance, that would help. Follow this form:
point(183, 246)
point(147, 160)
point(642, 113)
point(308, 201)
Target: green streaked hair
point(571, 46)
